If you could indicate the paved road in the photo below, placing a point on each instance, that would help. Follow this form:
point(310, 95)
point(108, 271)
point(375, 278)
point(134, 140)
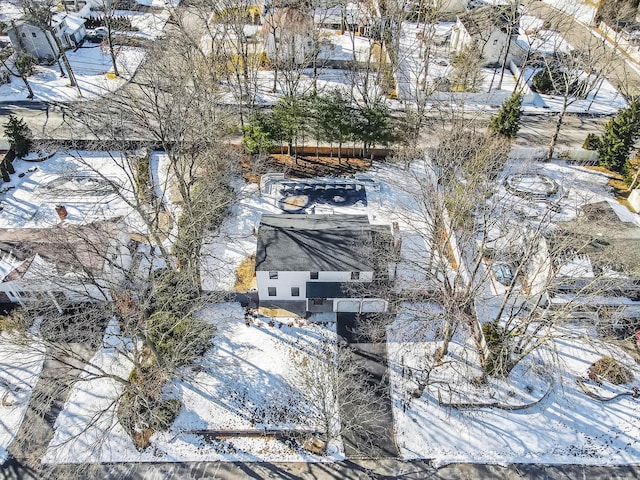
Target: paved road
point(346, 470)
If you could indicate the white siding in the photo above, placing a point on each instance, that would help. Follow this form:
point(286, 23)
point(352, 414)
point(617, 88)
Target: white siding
point(286, 280)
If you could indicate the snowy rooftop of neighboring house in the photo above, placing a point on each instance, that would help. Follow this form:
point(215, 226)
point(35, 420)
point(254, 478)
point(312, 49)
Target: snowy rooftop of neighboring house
point(343, 47)
point(70, 179)
point(72, 22)
point(486, 18)
point(65, 246)
point(532, 36)
point(314, 243)
point(332, 15)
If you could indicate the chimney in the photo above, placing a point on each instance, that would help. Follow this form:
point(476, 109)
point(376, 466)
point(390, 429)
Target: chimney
point(62, 212)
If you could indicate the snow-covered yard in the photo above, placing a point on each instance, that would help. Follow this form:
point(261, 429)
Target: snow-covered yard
point(561, 425)
point(90, 64)
point(246, 382)
point(20, 366)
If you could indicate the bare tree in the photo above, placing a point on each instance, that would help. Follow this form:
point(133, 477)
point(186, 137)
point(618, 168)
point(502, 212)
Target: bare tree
point(41, 14)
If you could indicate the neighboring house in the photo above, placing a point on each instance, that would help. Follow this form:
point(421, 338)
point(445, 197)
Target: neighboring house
point(322, 263)
point(596, 259)
point(29, 38)
point(491, 30)
point(63, 263)
point(352, 17)
point(288, 36)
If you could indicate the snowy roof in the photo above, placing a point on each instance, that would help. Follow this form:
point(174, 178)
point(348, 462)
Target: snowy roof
point(482, 19)
point(68, 247)
point(72, 23)
point(315, 243)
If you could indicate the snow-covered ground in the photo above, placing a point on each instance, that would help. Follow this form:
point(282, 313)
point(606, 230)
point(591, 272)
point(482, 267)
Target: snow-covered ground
point(566, 426)
point(20, 366)
point(90, 64)
point(82, 181)
point(246, 382)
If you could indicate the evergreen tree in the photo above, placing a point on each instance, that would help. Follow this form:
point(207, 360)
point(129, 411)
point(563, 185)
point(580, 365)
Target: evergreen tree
point(374, 125)
point(507, 121)
point(619, 136)
point(334, 118)
point(256, 137)
point(18, 134)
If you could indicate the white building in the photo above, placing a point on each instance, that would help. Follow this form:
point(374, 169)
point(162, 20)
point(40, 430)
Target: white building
point(288, 36)
point(490, 29)
point(29, 38)
point(321, 263)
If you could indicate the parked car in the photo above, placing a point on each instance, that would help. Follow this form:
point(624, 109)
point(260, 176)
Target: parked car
point(503, 273)
point(96, 35)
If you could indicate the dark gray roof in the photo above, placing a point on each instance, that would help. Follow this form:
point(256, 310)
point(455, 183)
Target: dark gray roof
point(315, 243)
point(332, 289)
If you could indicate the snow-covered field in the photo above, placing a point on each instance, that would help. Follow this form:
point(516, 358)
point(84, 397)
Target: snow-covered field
point(566, 426)
point(20, 366)
point(246, 382)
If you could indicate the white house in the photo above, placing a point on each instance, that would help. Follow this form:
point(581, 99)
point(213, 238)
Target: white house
point(321, 263)
point(63, 263)
point(491, 29)
point(288, 36)
point(29, 38)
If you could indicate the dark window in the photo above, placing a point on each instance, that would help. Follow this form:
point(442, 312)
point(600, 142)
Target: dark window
point(295, 291)
point(273, 275)
point(272, 291)
point(318, 301)
point(313, 275)
point(355, 275)
point(33, 34)
point(24, 35)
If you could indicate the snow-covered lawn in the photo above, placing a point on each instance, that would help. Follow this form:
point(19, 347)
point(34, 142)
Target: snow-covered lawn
point(20, 366)
point(566, 426)
point(223, 251)
point(90, 64)
point(246, 382)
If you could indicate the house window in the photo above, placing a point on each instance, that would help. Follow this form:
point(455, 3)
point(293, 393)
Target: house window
point(273, 275)
point(33, 34)
point(295, 291)
point(272, 291)
point(355, 275)
point(24, 35)
point(318, 301)
point(313, 275)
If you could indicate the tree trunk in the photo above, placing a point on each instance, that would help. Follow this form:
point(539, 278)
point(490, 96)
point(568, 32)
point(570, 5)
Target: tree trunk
point(65, 60)
point(556, 134)
point(28, 85)
point(112, 52)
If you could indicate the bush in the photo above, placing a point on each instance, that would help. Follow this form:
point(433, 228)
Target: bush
point(498, 363)
point(179, 341)
point(592, 142)
point(609, 369)
point(542, 82)
point(141, 415)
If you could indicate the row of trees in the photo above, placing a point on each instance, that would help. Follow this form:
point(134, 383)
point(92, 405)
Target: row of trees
point(325, 118)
